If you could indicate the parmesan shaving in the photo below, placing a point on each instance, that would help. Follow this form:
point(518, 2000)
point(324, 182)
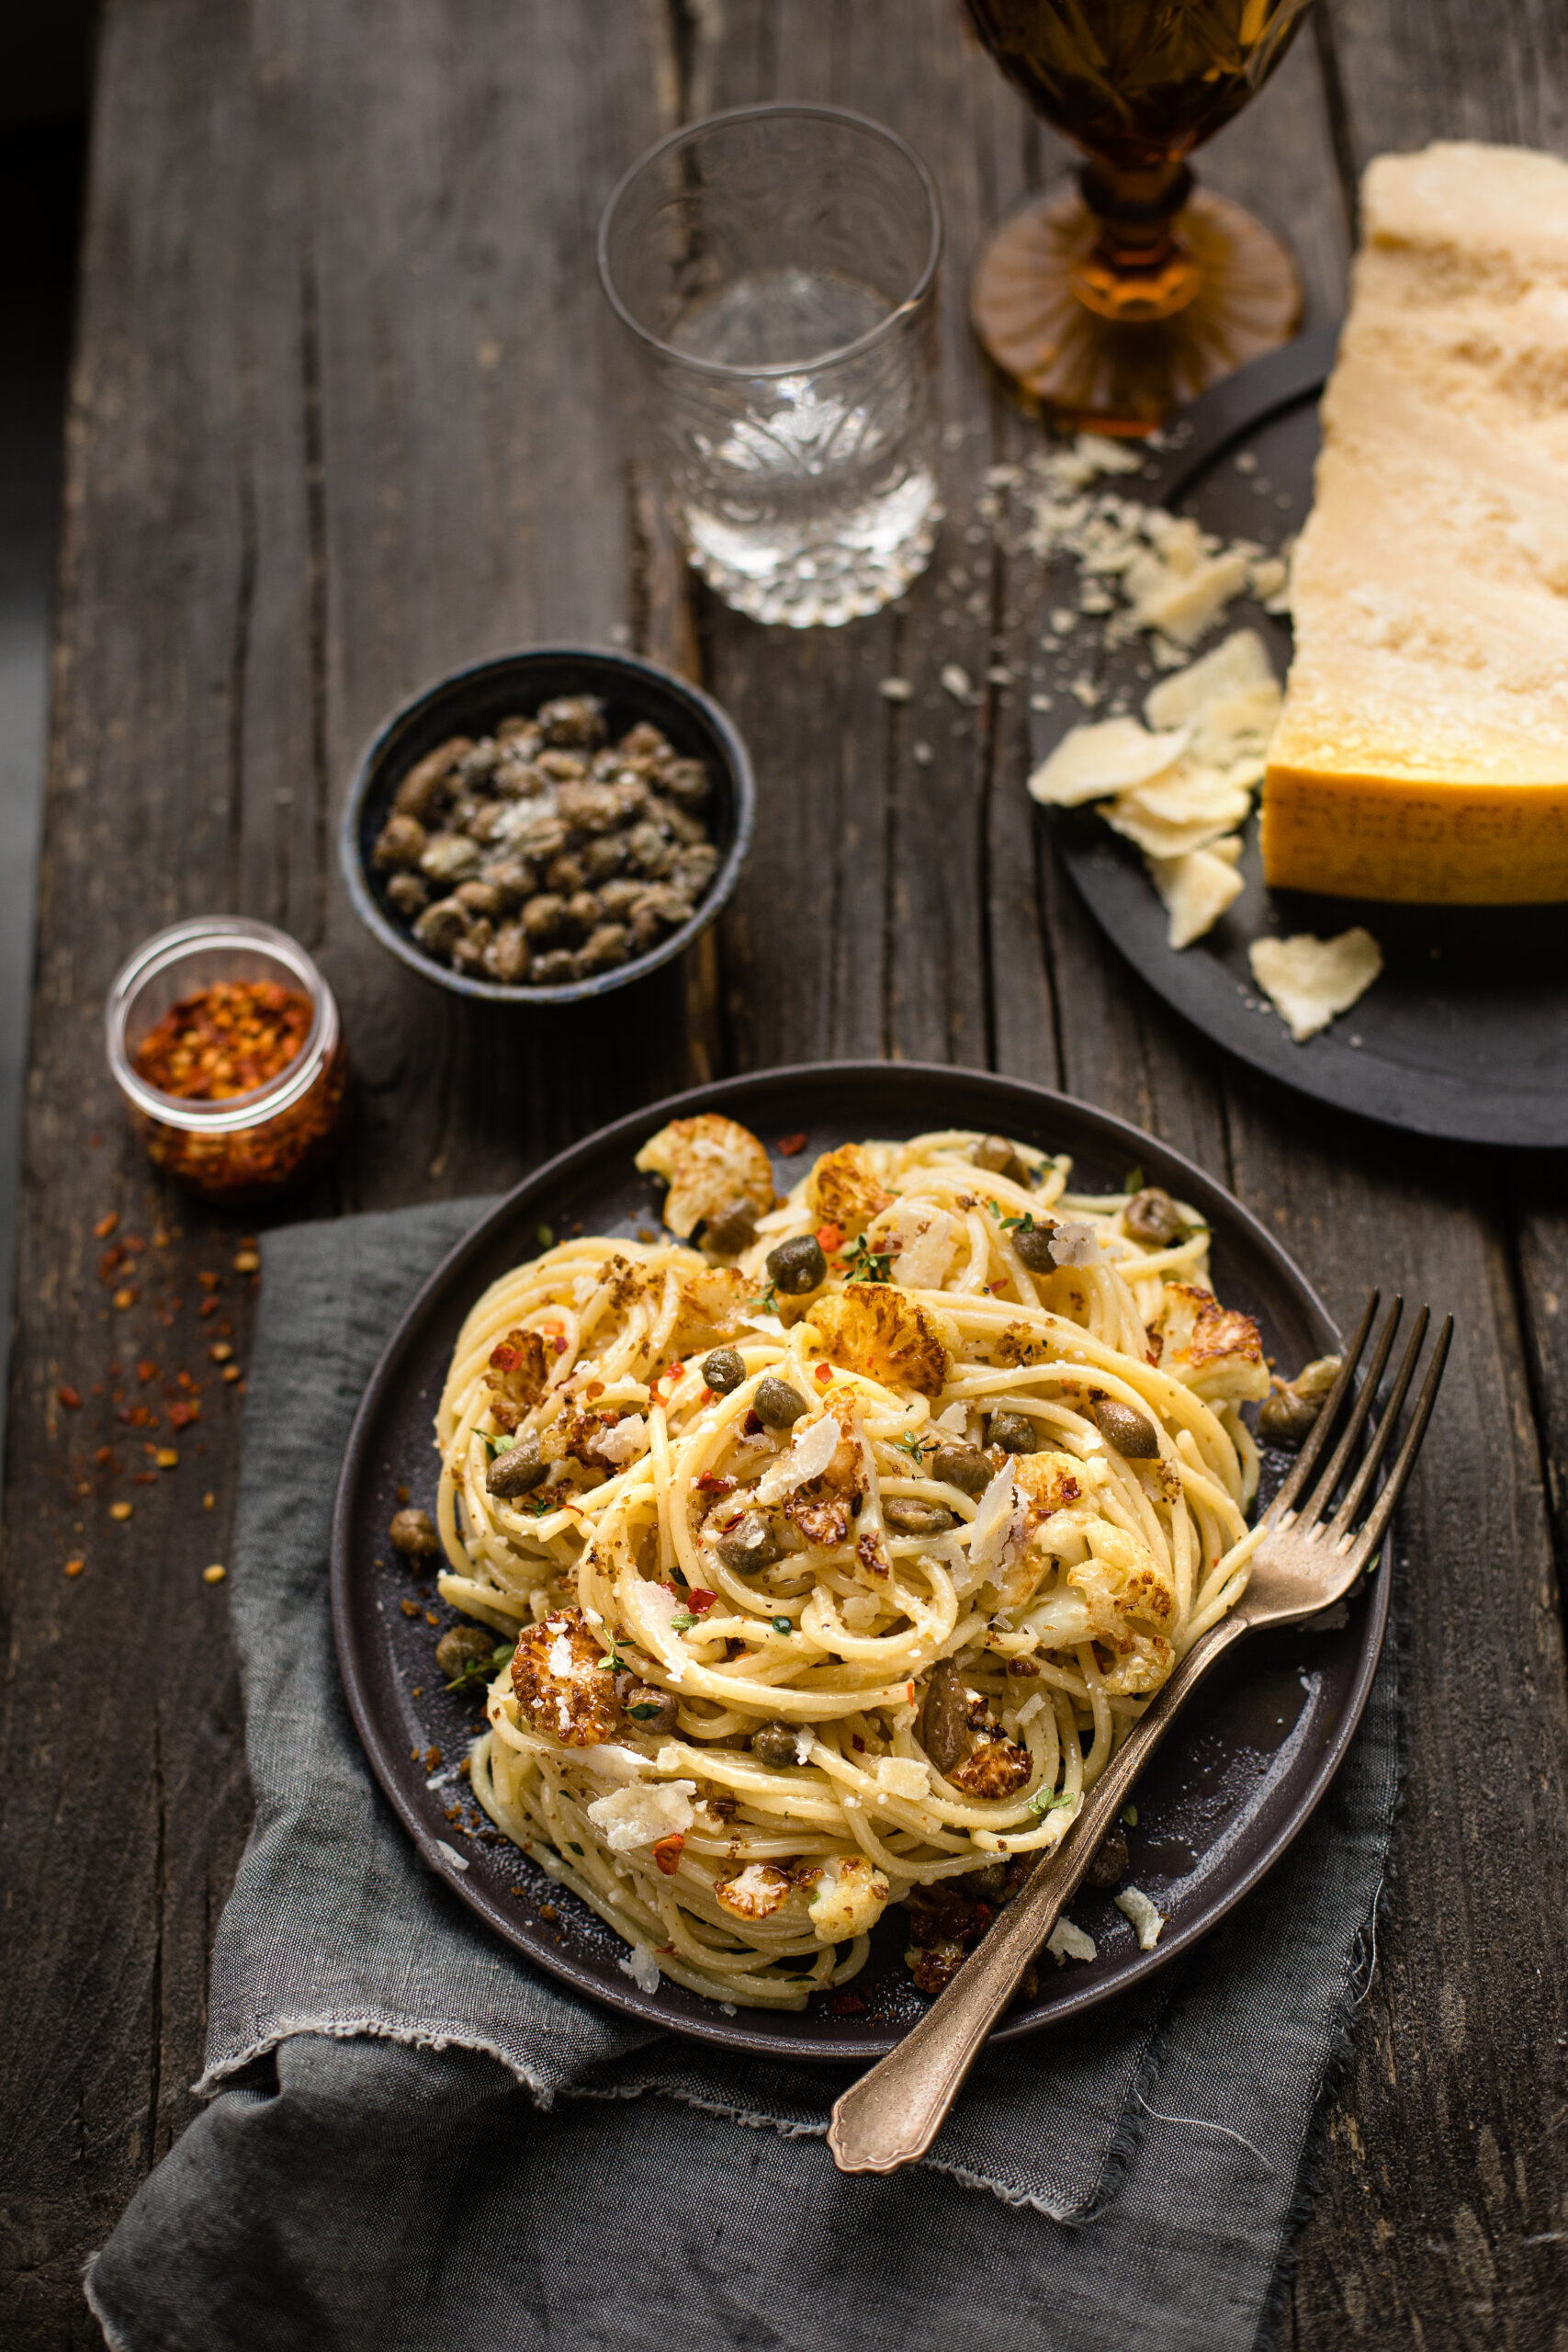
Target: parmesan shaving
point(807, 1459)
point(1134, 1904)
point(1312, 980)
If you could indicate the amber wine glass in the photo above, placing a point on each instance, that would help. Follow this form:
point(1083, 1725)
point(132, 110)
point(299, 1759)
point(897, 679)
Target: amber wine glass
point(1126, 289)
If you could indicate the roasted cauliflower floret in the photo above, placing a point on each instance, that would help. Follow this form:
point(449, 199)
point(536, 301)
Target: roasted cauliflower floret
point(848, 1897)
point(1210, 1349)
point(562, 1690)
point(995, 1768)
point(871, 1327)
point(712, 1304)
point(845, 1189)
point(518, 1368)
point(761, 1889)
point(1048, 1483)
point(709, 1164)
point(1123, 1588)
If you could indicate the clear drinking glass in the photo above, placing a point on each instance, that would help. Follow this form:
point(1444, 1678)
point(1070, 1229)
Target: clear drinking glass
point(777, 265)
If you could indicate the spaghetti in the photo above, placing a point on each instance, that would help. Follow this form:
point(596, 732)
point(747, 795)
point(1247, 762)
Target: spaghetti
point(842, 1569)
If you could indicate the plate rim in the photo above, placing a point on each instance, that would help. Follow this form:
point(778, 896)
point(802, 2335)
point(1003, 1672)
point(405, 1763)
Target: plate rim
point(385, 1758)
point(1505, 1119)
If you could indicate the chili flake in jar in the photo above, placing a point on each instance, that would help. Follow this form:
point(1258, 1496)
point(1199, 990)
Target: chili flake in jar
point(237, 1079)
point(225, 1040)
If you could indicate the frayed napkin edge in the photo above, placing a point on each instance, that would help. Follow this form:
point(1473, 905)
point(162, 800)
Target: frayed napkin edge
point(1118, 2155)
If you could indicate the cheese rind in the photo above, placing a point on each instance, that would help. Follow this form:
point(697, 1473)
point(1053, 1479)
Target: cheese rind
point(1423, 750)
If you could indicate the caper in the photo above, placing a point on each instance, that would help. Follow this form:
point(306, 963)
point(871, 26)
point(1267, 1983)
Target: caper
point(412, 1533)
point(774, 1744)
point(1131, 1432)
point(964, 1467)
point(1033, 1243)
point(1151, 1215)
point(733, 1229)
point(462, 1647)
point(776, 1405)
point(910, 1516)
point(997, 1158)
point(945, 1719)
point(517, 1471)
point(1110, 1862)
point(749, 1545)
point(649, 1710)
point(1014, 1432)
point(1285, 1418)
point(798, 1266)
point(724, 1369)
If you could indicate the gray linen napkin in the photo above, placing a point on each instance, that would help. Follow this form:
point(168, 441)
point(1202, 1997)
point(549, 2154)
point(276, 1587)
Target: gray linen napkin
point(417, 2142)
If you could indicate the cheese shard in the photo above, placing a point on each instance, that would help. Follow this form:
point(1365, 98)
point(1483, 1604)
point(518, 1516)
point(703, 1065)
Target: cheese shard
point(1310, 980)
point(1423, 750)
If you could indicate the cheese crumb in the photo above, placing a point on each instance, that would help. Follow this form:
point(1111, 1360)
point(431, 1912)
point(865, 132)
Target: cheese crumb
point(1135, 1906)
point(1067, 1942)
point(641, 1966)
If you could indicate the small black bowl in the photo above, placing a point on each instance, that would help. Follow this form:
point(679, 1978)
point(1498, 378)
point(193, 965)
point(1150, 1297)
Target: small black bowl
point(474, 701)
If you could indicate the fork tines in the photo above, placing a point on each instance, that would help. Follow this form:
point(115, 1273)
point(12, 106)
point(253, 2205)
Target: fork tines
point(1284, 1510)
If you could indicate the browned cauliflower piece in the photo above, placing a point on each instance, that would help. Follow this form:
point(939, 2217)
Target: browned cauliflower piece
point(996, 1767)
point(712, 1304)
point(874, 1327)
point(563, 1692)
point(709, 1164)
point(1130, 1599)
point(761, 1889)
point(1048, 1483)
point(518, 1368)
point(843, 1189)
point(1210, 1349)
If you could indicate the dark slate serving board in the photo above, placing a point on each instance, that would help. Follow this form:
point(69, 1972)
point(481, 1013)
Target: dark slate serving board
point(1465, 1033)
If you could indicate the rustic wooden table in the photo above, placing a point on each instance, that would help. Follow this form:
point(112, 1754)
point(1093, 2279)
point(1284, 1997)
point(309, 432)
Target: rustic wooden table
point(347, 409)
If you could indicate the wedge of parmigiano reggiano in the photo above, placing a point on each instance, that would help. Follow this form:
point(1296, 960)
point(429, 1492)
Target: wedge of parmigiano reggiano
point(1423, 754)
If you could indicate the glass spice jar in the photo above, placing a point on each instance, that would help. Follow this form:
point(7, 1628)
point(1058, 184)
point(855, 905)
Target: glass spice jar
point(207, 1005)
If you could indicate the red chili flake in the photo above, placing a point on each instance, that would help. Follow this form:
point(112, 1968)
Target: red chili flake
point(750, 1425)
point(112, 1258)
point(182, 1414)
point(561, 1347)
point(505, 1357)
point(857, 1743)
point(135, 1243)
point(106, 1225)
point(144, 1478)
point(184, 1380)
point(791, 1146)
point(699, 1600)
point(824, 1373)
point(209, 1306)
point(104, 1453)
point(831, 1236)
point(712, 1482)
point(846, 2005)
point(146, 1369)
point(225, 1040)
point(69, 1396)
point(666, 1852)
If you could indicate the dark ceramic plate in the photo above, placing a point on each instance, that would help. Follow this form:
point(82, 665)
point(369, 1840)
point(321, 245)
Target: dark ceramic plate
point(1465, 1033)
point(1225, 1794)
point(473, 701)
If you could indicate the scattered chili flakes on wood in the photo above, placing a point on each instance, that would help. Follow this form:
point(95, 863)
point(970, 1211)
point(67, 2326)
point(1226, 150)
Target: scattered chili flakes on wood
point(225, 1040)
point(69, 1397)
point(74, 1568)
point(106, 1225)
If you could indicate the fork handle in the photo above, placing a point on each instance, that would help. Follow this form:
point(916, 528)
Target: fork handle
point(889, 2118)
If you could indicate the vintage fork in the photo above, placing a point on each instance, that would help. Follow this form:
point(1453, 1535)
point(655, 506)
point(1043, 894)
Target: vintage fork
point(1306, 1562)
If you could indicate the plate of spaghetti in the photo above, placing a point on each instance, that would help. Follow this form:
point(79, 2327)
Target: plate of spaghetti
point(812, 1481)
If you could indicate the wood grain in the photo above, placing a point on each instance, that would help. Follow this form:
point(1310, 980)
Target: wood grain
point(347, 409)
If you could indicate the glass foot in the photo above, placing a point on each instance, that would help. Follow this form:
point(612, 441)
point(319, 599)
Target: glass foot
point(1125, 375)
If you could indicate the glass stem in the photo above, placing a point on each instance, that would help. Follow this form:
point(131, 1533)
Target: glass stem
point(1137, 267)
